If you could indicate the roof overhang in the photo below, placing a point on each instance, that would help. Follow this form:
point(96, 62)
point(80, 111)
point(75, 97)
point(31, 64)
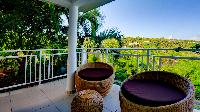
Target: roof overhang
point(84, 5)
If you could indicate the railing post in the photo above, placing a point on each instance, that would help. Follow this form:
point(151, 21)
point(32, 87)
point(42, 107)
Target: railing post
point(30, 63)
point(25, 69)
point(40, 67)
point(49, 64)
point(98, 55)
point(35, 68)
point(148, 59)
point(44, 64)
point(153, 63)
point(160, 63)
point(52, 66)
point(106, 55)
point(138, 62)
point(83, 56)
point(143, 63)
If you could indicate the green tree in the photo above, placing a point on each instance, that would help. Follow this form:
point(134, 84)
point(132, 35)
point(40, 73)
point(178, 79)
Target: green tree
point(109, 33)
point(110, 43)
point(89, 43)
point(196, 46)
point(34, 20)
point(31, 19)
point(89, 24)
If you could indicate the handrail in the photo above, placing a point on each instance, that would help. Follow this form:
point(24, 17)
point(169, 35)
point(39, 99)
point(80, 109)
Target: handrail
point(108, 49)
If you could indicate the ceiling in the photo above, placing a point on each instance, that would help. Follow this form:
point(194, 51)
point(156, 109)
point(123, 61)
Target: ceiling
point(84, 5)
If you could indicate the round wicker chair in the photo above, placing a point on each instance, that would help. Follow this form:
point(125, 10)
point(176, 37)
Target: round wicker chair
point(101, 85)
point(87, 101)
point(184, 85)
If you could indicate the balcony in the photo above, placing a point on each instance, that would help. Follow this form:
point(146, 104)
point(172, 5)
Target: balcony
point(49, 97)
point(38, 79)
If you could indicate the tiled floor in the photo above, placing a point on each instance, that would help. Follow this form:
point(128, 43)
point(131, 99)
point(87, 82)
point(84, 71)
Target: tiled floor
point(50, 97)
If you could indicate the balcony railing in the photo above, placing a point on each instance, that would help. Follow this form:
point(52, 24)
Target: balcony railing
point(20, 68)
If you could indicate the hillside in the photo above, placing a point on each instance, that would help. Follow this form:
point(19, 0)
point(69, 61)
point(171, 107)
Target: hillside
point(129, 65)
point(140, 42)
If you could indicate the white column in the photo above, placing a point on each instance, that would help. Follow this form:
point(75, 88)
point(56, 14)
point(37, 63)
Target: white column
point(72, 45)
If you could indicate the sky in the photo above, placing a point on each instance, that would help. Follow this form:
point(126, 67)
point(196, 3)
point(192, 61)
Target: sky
point(178, 19)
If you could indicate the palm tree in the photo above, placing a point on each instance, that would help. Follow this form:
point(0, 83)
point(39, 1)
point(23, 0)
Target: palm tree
point(89, 24)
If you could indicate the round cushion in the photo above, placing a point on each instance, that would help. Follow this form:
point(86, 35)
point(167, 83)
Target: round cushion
point(151, 92)
point(95, 74)
point(87, 101)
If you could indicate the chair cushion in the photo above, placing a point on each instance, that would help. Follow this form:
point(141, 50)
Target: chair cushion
point(151, 92)
point(95, 74)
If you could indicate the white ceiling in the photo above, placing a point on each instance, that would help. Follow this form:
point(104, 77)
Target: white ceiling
point(84, 5)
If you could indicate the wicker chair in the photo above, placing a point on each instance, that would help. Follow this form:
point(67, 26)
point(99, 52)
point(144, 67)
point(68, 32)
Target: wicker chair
point(184, 105)
point(103, 86)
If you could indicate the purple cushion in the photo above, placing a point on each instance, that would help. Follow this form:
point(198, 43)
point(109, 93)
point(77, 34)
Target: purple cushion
point(95, 74)
point(151, 92)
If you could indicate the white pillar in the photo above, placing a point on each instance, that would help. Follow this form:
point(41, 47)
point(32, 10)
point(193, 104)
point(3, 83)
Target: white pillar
point(72, 45)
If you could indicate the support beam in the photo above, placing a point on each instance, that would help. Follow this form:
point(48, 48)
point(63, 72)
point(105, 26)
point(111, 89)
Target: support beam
point(84, 5)
point(72, 45)
point(87, 5)
point(62, 3)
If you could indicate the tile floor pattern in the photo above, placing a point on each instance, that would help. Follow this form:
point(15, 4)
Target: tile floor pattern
point(50, 97)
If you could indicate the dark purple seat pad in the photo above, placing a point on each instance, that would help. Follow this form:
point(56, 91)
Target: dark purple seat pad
point(151, 93)
point(95, 74)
